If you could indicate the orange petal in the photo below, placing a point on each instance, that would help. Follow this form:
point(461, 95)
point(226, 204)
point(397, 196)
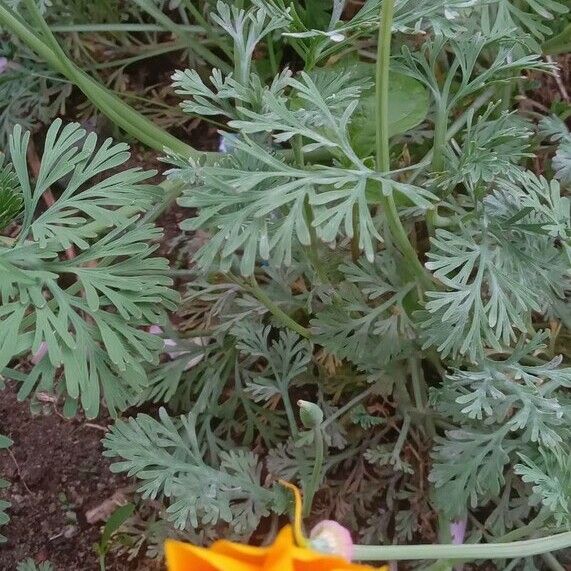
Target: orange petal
point(245, 553)
point(185, 557)
point(310, 560)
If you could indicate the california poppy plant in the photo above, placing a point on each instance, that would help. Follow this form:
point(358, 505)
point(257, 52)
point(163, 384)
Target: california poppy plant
point(291, 551)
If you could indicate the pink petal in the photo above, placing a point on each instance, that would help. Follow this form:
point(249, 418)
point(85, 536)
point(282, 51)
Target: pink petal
point(328, 536)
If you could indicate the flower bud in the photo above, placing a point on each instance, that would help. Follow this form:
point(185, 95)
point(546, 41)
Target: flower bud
point(330, 537)
point(311, 415)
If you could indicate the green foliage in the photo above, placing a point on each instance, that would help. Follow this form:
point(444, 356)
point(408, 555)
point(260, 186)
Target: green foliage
point(551, 476)
point(10, 196)
point(30, 93)
point(5, 442)
point(556, 130)
point(506, 408)
point(87, 310)
point(167, 456)
point(30, 565)
point(302, 294)
point(413, 310)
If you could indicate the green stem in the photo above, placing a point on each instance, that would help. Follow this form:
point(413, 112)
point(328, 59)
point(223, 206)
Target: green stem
point(166, 201)
point(160, 49)
point(212, 32)
point(526, 548)
point(291, 420)
point(347, 407)
point(382, 86)
point(402, 437)
point(107, 102)
point(127, 27)
point(272, 54)
point(315, 479)
point(395, 226)
point(263, 298)
point(506, 95)
point(454, 128)
point(420, 391)
point(440, 136)
point(195, 45)
point(438, 144)
point(355, 251)
point(552, 562)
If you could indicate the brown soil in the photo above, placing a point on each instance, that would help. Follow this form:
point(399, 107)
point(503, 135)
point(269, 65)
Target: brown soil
point(57, 474)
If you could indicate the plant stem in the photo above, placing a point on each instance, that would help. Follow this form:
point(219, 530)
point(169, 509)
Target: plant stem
point(355, 251)
point(438, 144)
point(195, 45)
point(395, 226)
point(212, 32)
point(382, 86)
point(552, 562)
point(526, 548)
point(172, 192)
point(272, 54)
point(315, 479)
point(291, 419)
point(347, 407)
point(127, 27)
point(107, 102)
point(419, 391)
point(262, 297)
point(454, 128)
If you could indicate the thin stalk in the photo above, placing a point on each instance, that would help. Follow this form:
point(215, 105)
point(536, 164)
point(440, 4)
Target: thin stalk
point(253, 288)
point(520, 549)
point(419, 391)
point(401, 440)
point(347, 407)
point(208, 28)
point(440, 137)
point(506, 95)
point(437, 164)
point(454, 128)
point(107, 102)
point(261, 295)
point(127, 27)
point(272, 54)
point(291, 419)
point(552, 562)
point(161, 18)
point(382, 86)
point(387, 202)
point(355, 250)
point(143, 54)
point(313, 484)
point(175, 190)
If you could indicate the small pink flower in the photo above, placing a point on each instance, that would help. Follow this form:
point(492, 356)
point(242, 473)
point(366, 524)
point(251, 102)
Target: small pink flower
point(328, 536)
point(3, 64)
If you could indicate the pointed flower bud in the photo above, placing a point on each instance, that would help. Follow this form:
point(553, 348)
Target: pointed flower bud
point(311, 415)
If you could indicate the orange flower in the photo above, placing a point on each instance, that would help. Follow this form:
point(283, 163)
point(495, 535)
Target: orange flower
point(282, 555)
point(289, 552)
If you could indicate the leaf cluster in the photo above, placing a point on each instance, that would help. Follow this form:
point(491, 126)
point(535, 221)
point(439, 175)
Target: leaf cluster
point(75, 299)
